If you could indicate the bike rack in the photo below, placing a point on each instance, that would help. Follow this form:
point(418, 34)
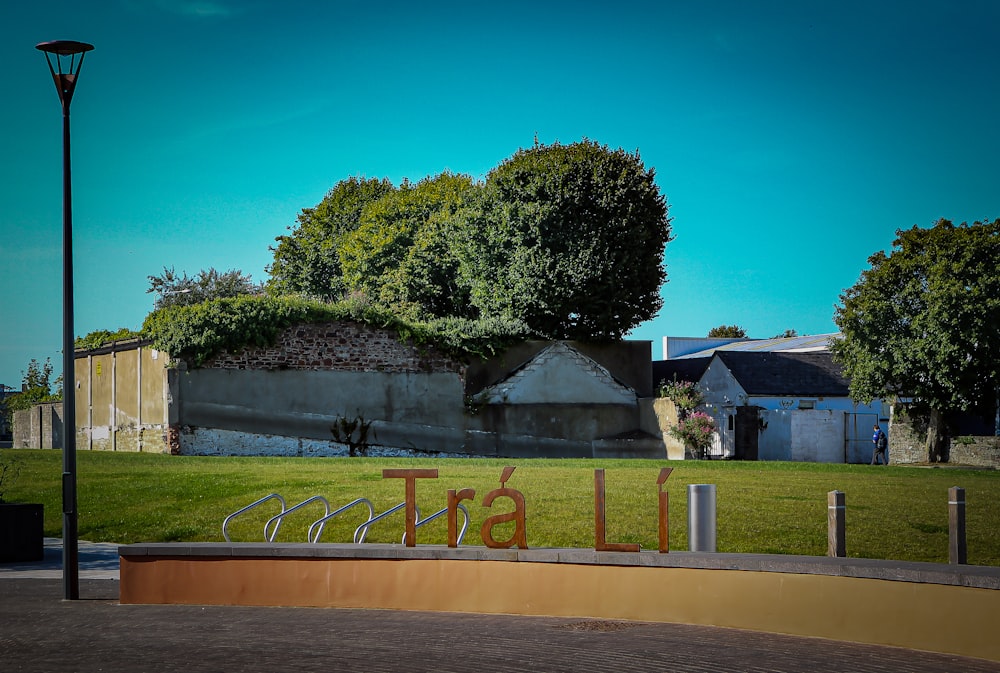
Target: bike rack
point(273, 525)
point(461, 533)
point(366, 524)
point(279, 518)
point(319, 524)
point(273, 496)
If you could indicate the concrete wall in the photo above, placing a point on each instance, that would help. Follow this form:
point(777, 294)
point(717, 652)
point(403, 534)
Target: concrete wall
point(921, 606)
point(121, 398)
point(569, 399)
point(39, 427)
point(658, 416)
point(547, 399)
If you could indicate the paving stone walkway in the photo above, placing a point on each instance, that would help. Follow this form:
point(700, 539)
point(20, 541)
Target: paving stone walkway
point(40, 632)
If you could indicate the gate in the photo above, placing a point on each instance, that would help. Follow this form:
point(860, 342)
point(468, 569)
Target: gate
point(858, 437)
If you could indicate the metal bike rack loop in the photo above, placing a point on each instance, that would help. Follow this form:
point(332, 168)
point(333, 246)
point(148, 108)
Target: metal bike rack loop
point(366, 524)
point(272, 496)
point(319, 524)
point(279, 518)
point(461, 533)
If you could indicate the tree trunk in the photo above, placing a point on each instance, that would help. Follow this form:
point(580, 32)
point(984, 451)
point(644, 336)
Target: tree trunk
point(936, 447)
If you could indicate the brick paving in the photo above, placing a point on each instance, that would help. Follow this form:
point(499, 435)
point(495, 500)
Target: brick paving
point(41, 632)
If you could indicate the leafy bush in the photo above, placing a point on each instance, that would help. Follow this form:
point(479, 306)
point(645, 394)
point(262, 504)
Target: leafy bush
point(100, 337)
point(684, 394)
point(695, 430)
point(198, 332)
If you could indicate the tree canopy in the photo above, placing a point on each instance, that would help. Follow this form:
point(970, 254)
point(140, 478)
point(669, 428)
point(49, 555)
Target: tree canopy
point(727, 332)
point(174, 290)
point(924, 320)
point(307, 261)
point(36, 387)
point(569, 239)
point(402, 252)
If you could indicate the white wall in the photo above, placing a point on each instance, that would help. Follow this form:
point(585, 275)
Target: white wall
point(817, 436)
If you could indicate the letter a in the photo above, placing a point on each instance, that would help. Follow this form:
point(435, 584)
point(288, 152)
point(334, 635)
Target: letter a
point(520, 537)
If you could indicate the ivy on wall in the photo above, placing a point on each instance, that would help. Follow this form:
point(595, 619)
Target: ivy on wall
point(198, 332)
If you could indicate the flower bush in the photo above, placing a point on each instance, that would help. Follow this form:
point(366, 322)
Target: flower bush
point(684, 394)
point(695, 430)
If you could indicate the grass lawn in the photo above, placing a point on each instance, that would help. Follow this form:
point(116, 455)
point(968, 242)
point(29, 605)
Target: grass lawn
point(763, 507)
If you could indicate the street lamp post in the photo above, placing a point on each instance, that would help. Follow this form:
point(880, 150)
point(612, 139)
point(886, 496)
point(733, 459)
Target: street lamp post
point(65, 58)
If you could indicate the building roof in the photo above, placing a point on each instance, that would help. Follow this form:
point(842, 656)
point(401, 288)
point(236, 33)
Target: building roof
point(783, 374)
point(800, 344)
point(683, 369)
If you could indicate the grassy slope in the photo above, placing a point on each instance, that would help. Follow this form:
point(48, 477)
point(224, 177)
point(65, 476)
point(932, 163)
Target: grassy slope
point(893, 513)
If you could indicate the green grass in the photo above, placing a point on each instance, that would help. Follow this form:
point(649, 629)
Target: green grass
point(763, 507)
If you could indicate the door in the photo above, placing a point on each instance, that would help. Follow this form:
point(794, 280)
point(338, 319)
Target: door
point(747, 432)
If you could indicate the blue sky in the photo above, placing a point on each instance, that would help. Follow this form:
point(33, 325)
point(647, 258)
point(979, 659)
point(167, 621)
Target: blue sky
point(791, 139)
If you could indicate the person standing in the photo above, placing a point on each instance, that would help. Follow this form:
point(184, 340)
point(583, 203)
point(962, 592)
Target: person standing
point(881, 443)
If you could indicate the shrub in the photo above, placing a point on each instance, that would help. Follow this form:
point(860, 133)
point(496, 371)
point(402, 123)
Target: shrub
point(684, 394)
point(695, 430)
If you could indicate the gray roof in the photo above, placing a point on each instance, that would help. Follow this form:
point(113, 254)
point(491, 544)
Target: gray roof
point(816, 342)
point(683, 369)
point(812, 374)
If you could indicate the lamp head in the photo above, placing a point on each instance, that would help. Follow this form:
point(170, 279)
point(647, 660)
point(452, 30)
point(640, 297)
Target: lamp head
point(64, 65)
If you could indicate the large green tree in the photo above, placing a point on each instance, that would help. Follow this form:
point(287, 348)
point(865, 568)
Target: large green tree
point(924, 321)
point(402, 252)
point(307, 261)
point(569, 239)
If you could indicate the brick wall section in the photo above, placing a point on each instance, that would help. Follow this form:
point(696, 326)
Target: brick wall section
point(345, 346)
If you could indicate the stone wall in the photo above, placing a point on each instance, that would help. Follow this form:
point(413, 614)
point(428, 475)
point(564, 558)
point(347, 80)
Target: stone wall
point(976, 451)
point(906, 445)
point(346, 347)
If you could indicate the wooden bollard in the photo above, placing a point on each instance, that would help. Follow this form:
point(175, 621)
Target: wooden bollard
point(957, 550)
point(836, 519)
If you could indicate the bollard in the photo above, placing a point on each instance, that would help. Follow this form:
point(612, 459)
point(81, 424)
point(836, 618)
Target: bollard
point(701, 517)
point(836, 524)
point(957, 551)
